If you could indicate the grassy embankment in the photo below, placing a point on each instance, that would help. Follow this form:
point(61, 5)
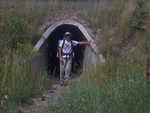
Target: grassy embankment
point(114, 87)
point(118, 86)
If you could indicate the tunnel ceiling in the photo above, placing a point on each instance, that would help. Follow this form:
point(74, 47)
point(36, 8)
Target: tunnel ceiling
point(75, 31)
point(65, 23)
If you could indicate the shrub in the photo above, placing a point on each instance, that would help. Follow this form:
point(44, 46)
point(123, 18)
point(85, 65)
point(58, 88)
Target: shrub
point(140, 15)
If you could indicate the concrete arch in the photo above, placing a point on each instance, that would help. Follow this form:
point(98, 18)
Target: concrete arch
point(91, 55)
point(62, 22)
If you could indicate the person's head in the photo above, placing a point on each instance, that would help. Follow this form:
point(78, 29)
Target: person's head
point(67, 35)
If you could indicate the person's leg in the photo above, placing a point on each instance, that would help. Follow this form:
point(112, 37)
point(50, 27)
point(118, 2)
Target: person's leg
point(68, 69)
point(62, 71)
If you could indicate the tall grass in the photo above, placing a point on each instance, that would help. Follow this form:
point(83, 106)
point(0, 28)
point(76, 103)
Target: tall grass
point(17, 82)
point(125, 91)
point(111, 88)
point(127, 37)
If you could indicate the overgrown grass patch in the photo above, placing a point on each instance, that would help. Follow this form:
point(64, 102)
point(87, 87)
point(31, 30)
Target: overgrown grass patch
point(127, 92)
point(17, 82)
point(116, 87)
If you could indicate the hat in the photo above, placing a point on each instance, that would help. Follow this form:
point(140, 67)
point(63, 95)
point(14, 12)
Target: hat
point(67, 33)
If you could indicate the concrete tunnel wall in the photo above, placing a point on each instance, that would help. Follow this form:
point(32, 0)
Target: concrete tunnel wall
point(40, 61)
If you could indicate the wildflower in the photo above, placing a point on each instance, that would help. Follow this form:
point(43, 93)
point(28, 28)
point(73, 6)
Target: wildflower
point(6, 97)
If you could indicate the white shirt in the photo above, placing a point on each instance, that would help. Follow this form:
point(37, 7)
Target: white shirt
point(67, 47)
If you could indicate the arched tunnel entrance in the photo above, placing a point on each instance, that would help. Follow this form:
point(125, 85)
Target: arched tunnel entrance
point(52, 54)
point(47, 47)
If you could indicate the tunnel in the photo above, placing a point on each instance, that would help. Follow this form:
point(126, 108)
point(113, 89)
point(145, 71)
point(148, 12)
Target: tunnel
point(45, 51)
point(52, 46)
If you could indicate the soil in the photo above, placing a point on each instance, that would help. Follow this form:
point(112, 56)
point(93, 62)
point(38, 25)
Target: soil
point(48, 98)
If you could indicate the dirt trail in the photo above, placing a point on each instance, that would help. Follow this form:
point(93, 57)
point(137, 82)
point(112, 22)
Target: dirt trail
point(49, 98)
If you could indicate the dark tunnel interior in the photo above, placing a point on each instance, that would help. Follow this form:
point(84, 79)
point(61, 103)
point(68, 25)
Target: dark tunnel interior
point(52, 42)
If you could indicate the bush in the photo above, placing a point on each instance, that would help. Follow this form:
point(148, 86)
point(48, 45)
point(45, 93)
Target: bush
point(15, 30)
point(140, 15)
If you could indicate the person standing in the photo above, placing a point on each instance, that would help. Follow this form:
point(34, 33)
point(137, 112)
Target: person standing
point(66, 54)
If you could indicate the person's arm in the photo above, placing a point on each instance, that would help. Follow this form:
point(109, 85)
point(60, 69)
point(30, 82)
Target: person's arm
point(60, 51)
point(85, 42)
point(60, 55)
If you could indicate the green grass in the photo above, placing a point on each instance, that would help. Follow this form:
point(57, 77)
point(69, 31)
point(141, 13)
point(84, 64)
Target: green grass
point(110, 88)
point(127, 92)
point(17, 81)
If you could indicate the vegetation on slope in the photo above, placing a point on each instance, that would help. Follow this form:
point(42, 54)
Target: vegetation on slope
point(124, 90)
point(118, 86)
point(17, 82)
point(123, 31)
